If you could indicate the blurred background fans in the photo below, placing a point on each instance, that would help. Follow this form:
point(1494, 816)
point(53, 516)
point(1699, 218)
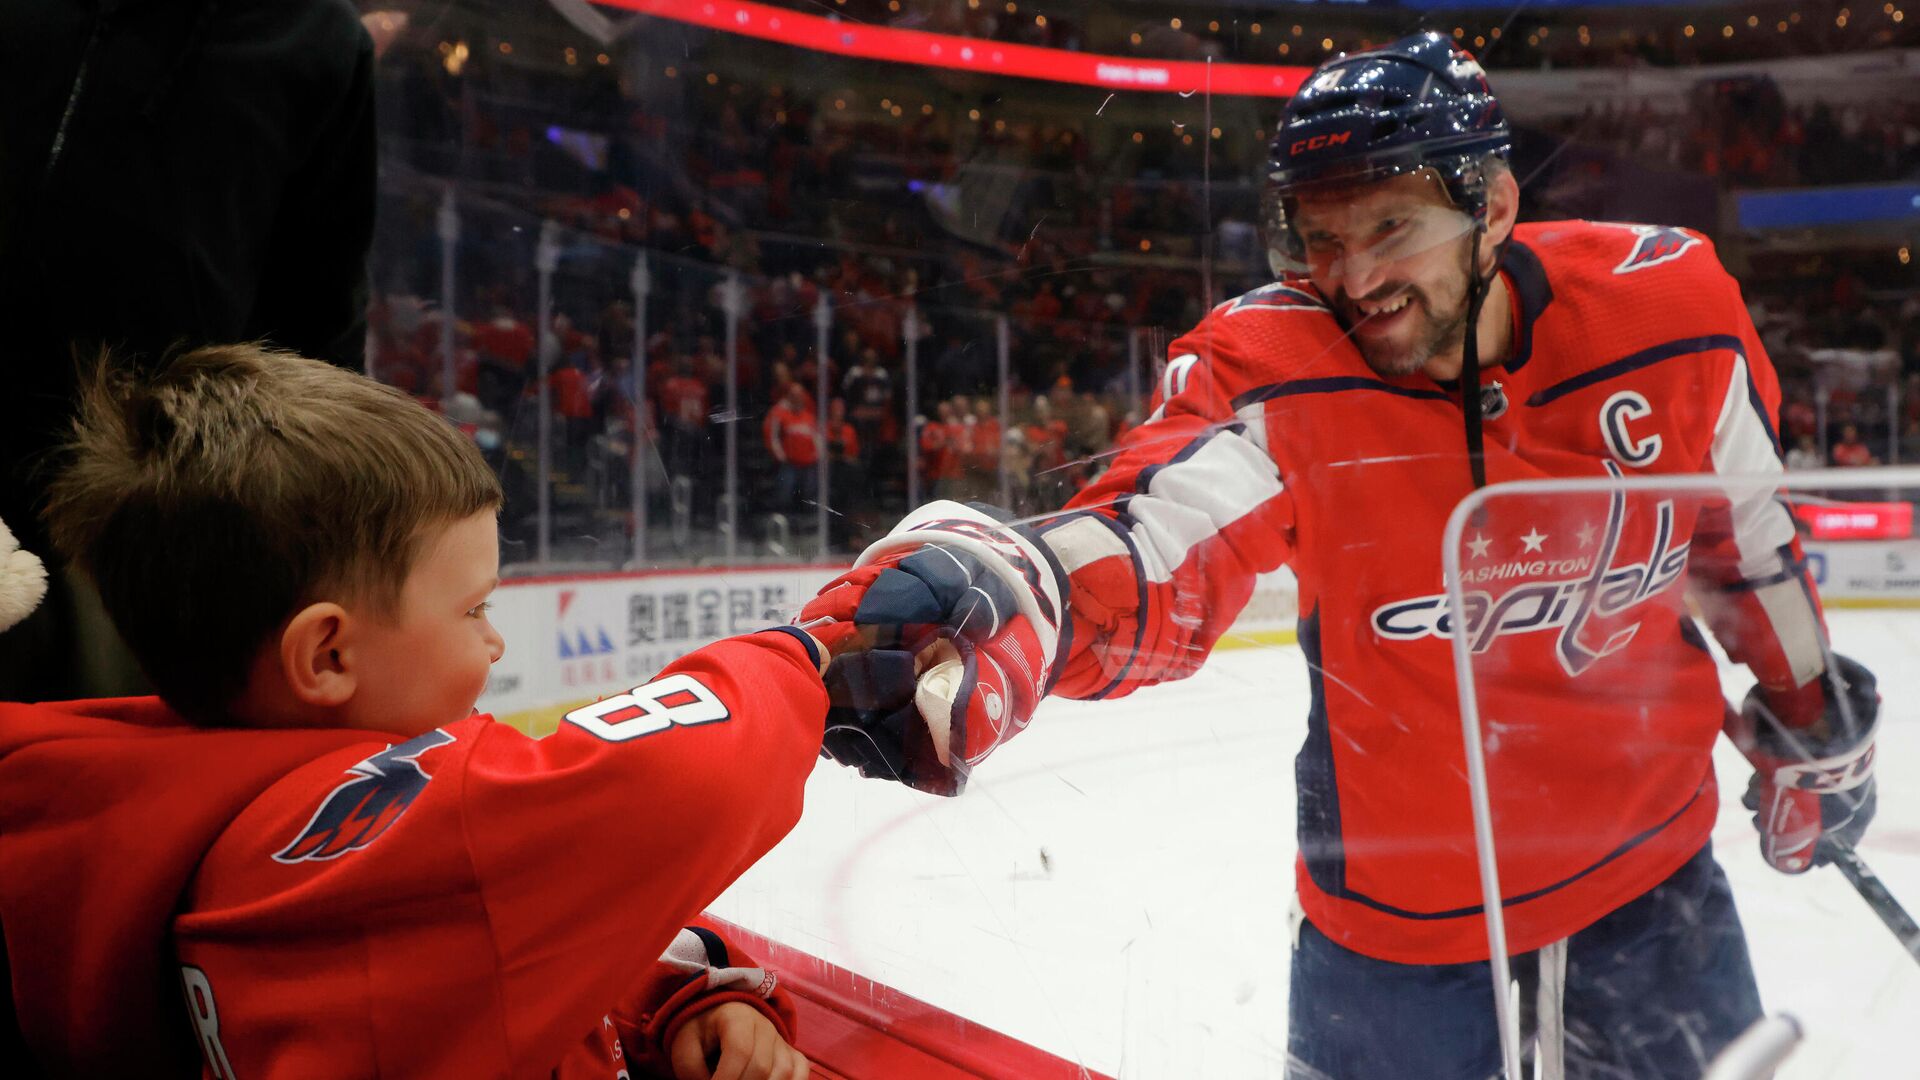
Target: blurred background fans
point(588, 207)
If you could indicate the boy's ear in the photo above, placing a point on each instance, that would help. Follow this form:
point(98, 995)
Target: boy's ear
point(313, 657)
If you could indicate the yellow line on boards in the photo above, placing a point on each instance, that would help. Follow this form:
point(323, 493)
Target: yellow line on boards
point(1909, 602)
point(1255, 639)
point(543, 721)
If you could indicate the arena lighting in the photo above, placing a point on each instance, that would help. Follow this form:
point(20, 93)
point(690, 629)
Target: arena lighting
point(820, 34)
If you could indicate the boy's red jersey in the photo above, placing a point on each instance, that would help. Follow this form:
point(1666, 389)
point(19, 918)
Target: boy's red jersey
point(1273, 442)
point(470, 902)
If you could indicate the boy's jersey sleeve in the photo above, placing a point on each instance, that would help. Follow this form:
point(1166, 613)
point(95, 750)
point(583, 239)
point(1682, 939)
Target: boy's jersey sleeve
point(699, 971)
point(1161, 551)
point(593, 847)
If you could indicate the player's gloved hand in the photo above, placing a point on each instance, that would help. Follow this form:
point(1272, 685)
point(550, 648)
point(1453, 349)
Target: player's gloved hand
point(1812, 756)
point(926, 712)
point(959, 617)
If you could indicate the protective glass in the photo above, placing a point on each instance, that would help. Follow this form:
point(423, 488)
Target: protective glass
point(1615, 748)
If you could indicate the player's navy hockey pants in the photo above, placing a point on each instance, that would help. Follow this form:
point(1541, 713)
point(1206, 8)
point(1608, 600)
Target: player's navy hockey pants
point(1654, 990)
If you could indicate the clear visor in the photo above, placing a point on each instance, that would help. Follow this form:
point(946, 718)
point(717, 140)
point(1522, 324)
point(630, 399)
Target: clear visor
point(1350, 223)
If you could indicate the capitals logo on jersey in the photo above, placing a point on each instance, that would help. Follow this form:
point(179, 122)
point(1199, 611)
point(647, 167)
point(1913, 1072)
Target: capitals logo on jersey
point(1567, 595)
point(358, 811)
point(1657, 244)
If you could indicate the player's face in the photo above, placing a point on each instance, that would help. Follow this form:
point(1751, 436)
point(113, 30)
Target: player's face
point(424, 665)
point(1391, 257)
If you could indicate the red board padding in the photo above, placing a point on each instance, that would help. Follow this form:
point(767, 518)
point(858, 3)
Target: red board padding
point(852, 1028)
point(1857, 521)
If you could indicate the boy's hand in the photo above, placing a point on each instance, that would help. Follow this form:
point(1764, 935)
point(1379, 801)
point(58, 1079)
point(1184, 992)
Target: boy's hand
point(734, 1041)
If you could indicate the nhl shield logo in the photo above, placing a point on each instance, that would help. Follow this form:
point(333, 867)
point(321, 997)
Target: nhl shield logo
point(1493, 401)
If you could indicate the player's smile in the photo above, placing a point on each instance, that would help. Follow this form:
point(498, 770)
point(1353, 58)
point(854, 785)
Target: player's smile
point(1379, 319)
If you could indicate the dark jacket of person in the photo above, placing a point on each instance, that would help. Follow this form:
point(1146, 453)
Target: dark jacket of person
point(174, 172)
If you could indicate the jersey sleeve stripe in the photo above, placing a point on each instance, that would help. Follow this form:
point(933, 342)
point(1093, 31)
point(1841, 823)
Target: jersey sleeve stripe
point(1188, 501)
point(1742, 445)
point(1080, 540)
point(1766, 419)
point(1762, 528)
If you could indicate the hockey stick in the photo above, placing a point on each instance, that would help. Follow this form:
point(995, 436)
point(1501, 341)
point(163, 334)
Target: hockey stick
point(1874, 892)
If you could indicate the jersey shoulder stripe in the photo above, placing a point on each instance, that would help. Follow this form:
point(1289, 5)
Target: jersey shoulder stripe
point(1644, 358)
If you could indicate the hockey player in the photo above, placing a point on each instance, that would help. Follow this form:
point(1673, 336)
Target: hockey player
point(1418, 344)
point(309, 856)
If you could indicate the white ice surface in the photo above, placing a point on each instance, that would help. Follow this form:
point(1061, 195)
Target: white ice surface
point(1114, 886)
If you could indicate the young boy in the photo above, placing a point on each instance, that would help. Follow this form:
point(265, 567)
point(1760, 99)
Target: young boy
point(309, 832)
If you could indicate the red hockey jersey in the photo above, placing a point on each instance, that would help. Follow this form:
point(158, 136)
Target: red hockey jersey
point(1273, 442)
point(469, 903)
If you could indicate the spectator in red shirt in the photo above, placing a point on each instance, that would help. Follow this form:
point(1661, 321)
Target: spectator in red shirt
point(1045, 305)
point(1046, 439)
point(960, 447)
point(1798, 414)
point(793, 435)
point(843, 442)
point(1850, 452)
point(983, 451)
point(573, 405)
point(683, 415)
point(938, 461)
point(505, 345)
point(847, 485)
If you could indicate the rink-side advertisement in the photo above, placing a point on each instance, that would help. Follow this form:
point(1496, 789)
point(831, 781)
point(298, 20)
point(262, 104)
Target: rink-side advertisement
point(1867, 573)
point(573, 640)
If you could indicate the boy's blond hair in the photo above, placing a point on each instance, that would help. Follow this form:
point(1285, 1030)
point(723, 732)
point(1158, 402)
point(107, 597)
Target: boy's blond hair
point(212, 498)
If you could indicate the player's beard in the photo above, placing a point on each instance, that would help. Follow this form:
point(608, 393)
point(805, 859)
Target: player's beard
point(1433, 332)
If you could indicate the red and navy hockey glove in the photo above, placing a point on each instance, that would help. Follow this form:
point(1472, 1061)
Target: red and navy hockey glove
point(961, 613)
point(1812, 756)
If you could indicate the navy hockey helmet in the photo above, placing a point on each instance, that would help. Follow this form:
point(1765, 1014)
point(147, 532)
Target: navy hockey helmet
point(1420, 103)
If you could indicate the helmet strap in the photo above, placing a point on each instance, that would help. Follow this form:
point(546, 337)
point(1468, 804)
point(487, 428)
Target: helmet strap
point(1470, 364)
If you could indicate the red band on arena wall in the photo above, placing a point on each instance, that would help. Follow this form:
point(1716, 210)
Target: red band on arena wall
point(867, 42)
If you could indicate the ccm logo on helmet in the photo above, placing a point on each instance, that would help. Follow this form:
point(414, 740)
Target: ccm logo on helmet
point(1320, 142)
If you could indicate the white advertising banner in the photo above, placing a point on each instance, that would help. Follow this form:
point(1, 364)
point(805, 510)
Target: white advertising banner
point(1866, 571)
point(576, 638)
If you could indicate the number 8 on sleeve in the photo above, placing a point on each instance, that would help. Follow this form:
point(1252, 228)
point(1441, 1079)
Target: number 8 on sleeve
point(676, 700)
